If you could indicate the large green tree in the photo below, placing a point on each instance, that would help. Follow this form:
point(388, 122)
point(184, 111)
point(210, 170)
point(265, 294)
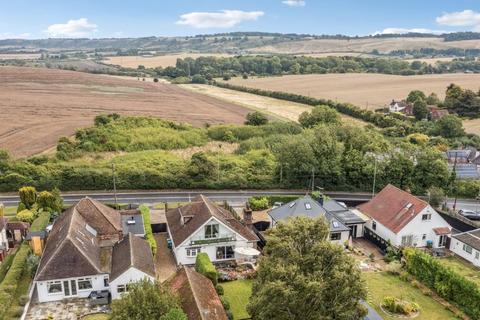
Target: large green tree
point(416, 95)
point(449, 126)
point(145, 300)
point(420, 109)
point(304, 276)
point(319, 114)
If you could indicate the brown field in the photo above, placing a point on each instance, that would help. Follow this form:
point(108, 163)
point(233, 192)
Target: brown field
point(281, 109)
point(472, 126)
point(19, 56)
point(383, 45)
point(37, 106)
point(157, 61)
point(365, 90)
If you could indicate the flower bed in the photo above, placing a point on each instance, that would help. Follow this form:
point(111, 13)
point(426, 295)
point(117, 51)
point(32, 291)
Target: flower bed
point(232, 273)
point(400, 308)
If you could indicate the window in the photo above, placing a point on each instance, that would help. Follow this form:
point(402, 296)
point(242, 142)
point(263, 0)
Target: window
point(192, 252)
point(477, 255)
point(374, 225)
point(84, 284)
point(424, 236)
point(407, 241)
point(105, 282)
point(308, 206)
point(211, 231)
point(335, 236)
point(225, 253)
point(54, 287)
point(426, 217)
point(121, 288)
point(467, 248)
point(335, 224)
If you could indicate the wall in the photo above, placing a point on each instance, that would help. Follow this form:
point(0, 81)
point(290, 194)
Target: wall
point(456, 246)
point(382, 231)
point(3, 238)
point(44, 296)
point(129, 276)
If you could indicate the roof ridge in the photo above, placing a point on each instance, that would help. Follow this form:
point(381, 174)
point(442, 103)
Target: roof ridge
point(190, 282)
point(406, 193)
point(208, 206)
point(106, 217)
point(130, 246)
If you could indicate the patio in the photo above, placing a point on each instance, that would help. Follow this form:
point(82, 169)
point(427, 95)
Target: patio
point(66, 310)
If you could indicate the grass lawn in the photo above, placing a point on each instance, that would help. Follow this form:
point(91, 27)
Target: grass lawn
point(15, 307)
point(237, 293)
point(382, 284)
point(462, 267)
point(10, 211)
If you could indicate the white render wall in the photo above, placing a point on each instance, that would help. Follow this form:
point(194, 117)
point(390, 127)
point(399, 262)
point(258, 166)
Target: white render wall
point(44, 296)
point(130, 276)
point(3, 238)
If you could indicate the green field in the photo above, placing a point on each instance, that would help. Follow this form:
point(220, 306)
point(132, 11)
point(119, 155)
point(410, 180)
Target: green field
point(237, 293)
point(382, 284)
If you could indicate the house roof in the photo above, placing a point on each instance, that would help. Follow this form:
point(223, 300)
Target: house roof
point(132, 222)
point(102, 218)
point(134, 252)
point(199, 298)
point(393, 208)
point(401, 104)
point(465, 170)
point(196, 214)
point(472, 238)
point(342, 213)
point(307, 207)
point(71, 250)
point(442, 231)
point(18, 225)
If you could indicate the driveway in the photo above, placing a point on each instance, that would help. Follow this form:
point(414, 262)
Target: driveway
point(165, 264)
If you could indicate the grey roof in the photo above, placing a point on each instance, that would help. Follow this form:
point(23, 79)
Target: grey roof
point(306, 207)
point(341, 212)
point(465, 171)
point(133, 223)
point(472, 238)
point(41, 234)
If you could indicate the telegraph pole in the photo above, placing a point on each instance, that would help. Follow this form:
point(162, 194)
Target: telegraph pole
point(313, 180)
point(114, 185)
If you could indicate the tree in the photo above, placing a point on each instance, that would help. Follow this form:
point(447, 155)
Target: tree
point(319, 114)
point(26, 216)
point(305, 276)
point(145, 300)
point(449, 126)
point(201, 167)
point(433, 99)
point(28, 196)
point(436, 196)
point(46, 201)
point(416, 95)
point(58, 200)
point(174, 314)
point(256, 119)
point(199, 79)
point(420, 109)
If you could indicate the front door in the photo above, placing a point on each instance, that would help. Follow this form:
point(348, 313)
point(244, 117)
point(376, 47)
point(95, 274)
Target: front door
point(442, 240)
point(74, 287)
point(353, 231)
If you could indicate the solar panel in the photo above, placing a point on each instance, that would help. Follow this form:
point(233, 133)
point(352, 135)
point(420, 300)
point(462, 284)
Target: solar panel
point(308, 206)
point(335, 224)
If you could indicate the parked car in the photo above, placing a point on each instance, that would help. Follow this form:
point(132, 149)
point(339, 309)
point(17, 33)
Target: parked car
point(469, 214)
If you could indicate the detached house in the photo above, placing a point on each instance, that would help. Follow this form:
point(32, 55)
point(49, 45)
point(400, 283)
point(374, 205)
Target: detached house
point(404, 220)
point(87, 250)
point(203, 226)
point(400, 106)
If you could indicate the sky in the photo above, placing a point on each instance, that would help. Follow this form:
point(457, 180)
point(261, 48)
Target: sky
point(34, 19)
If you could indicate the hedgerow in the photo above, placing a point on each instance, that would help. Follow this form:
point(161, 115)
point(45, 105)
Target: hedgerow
point(204, 266)
point(148, 228)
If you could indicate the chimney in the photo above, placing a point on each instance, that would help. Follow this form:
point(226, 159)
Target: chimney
point(248, 217)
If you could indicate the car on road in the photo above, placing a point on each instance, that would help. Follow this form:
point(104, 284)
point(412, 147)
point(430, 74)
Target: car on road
point(469, 214)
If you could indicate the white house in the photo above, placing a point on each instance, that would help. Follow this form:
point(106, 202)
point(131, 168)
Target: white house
point(203, 226)
point(3, 238)
point(467, 246)
point(399, 106)
point(308, 207)
point(86, 251)
point(404, 220)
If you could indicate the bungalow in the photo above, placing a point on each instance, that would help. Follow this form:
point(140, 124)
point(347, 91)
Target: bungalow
point(404, 220)
point(308, 207)
point(203, 226)
point(349, 218)
point(400, 106)
point(199, 299)
point(87, 251)
point(467, 246)
point(3, 238)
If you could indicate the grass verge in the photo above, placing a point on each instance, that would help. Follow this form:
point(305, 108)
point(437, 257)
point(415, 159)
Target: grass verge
point(237, 293)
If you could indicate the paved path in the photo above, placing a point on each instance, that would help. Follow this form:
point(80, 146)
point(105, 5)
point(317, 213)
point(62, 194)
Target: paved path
point(164, 261)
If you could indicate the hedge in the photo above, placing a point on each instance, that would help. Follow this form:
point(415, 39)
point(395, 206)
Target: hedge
point(148, 228)
point(204, 266)
point(9, 285)
point(448, 284)
point(378, 119)
point(5, 266)
point(41, 222)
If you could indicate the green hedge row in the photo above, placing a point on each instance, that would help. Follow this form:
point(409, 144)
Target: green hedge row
point(5, 266)
point(378, 119)
point(148, 228)
point(448, 284)
point(9, 285)
point(204, 266)
point(41, 222)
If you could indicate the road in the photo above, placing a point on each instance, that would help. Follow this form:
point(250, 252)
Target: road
point(235, 197)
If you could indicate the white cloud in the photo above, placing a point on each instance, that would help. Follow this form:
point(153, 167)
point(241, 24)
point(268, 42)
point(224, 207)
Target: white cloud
point(294, 3)
point(9, 35)
point(222, 19)
point(72, 29)
point(404, 31)
point(465, 18)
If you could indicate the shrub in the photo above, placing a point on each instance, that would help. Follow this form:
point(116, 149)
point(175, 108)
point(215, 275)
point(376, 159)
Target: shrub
point(220, 290)
point(174, 314)
point(148, 228)
point(204, 266)
point(225, 303)
point(23, 300)
point(394, 268)
point(398, 306)
point(258, 203)
point(26, 216)
point(28, 196)
point(256, 119)
point(5, 266)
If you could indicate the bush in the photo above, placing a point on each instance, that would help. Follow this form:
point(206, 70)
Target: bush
point(256, 119)
point(174, 314)
point(28, 196)
point(23, 300)
point(26, 216)
point(258, 203)
point(398, 306)
point(5, 266)
point(148, 228)
point(204, 266)
point(394, 268)
point(220, 290)
point(225, 303)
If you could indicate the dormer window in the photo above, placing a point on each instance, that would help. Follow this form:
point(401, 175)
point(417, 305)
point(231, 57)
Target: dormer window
point(211, 231)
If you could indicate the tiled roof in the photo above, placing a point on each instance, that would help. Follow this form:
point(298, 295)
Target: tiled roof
point(196, 214)
point(102, 218)
point(472, 238)
point(393, 208)
point(132, 251)
point(442, 231)
point(199, 298)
